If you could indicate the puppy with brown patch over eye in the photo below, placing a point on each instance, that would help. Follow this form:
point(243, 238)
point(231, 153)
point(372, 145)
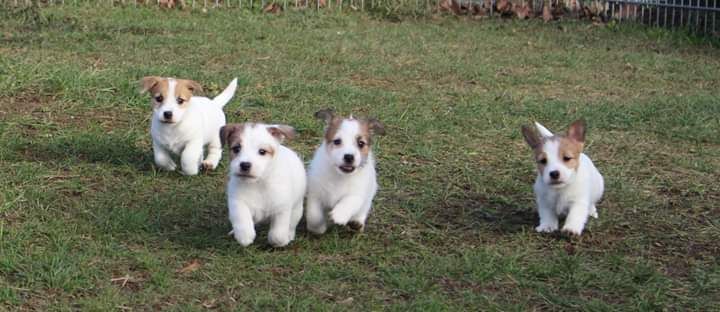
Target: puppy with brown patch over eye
point(267, 182)
point(567, 182)
point(183, 124)
point(341, 178)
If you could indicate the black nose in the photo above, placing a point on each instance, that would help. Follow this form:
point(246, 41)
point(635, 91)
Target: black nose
point(555, 174)
point(349, 158)
point(167, 115)
point(245, 166)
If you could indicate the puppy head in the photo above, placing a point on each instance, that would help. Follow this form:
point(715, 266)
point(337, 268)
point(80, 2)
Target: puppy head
point(253, 147)
point(557, 155)
point(170, 97)
point(347, 140)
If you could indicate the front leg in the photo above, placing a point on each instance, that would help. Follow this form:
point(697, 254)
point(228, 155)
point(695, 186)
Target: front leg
point(163, 159)
point(242, 222)
point(279, 235)
point(214, 154)
point(548, 216)
point(191, 157)
point(315, 215)
point(345, 209)
point(576, 218)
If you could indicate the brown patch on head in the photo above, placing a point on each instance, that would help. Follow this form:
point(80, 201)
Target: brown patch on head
point(571, 144)
point(332, 123)
point(569, 151)
point(156, 86)
point(231, 135)
point(184, 89)
point(282, 132)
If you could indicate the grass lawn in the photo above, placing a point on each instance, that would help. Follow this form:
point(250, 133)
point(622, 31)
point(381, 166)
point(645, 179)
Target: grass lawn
point(88, 223)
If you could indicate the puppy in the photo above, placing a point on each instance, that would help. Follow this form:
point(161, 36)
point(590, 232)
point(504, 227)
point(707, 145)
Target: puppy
point(341, 178)
point(267, 182)
point(567, 182)
point(183, 124)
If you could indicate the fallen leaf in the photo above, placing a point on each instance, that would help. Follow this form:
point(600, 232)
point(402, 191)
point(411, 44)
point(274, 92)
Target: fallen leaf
point(191, 267)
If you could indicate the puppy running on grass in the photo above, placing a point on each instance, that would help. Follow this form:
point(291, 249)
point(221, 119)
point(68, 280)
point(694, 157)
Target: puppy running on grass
point(183, 124)
point(341, 178)
point(567, 182)
point(267, 182)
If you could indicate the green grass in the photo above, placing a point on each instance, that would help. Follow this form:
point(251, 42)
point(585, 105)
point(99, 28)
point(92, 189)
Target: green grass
point(82, 206)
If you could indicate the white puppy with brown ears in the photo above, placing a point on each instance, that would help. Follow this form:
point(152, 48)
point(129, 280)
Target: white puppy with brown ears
point(341, 178)
point(183, 124)
point(267, 182)
point(567, 182)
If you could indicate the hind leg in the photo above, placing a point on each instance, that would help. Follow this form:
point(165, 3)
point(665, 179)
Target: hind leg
point(593, 211)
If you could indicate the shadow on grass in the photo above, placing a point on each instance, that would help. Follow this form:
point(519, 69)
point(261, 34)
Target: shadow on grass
point(477, 212)
point(111, 148)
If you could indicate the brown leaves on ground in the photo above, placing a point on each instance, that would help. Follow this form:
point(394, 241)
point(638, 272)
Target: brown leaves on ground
point(273, 8)
point(192, 266)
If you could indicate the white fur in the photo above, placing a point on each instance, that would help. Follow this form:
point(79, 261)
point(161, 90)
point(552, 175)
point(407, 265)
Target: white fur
point(576, 195)
point(272, 190)
point(192, 129)
point(341, 196)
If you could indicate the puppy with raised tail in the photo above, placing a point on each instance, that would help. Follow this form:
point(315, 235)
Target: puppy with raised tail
point(567, 182)
point(183, 124)
point(341, 178)
point(267, 182)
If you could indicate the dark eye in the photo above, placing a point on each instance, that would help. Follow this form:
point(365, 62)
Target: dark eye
point(262, 152)
point(542, 161)
point(361, 144)
point(567, 158)
point(236, 149)
point(159, 98)
point(337, 141)
point(180, 100)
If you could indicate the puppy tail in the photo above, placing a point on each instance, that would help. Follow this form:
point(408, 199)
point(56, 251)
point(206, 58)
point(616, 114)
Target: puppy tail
point(227, 94)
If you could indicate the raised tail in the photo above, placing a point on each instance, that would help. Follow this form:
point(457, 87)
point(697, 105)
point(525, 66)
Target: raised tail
point(227, 94)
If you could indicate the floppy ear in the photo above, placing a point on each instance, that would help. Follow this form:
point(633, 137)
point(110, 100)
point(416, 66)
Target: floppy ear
point(576, 131)
point(325, 114)
point(193, 86)
point(147, 83)
point(226, 131)
point(376, 127)
point(531, 137)
point(544, 132)
point(281, 132)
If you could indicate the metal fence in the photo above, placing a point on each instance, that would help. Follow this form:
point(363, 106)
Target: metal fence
point(699, 16)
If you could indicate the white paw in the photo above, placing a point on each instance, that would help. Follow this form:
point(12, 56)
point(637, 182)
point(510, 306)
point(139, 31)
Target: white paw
point(572, 229)
point(317, 229)
point(546, 228)
point(207, 165)
point(167, 166)
point(339, 217)
point(245, 238)
point(278, 239)
point(190, 170)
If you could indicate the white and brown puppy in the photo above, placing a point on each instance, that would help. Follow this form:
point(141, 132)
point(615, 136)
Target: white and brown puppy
point(567, 182)
point(341, 178)
point(267, 182)
point(183, 124)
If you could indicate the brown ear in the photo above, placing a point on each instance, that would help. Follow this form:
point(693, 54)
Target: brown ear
point(376, 127)
point(576, 131)
point(147, 83)
point(325, 114)
point(531, 137)
point(193, 86)
point(281, 132)
point(227, 131)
